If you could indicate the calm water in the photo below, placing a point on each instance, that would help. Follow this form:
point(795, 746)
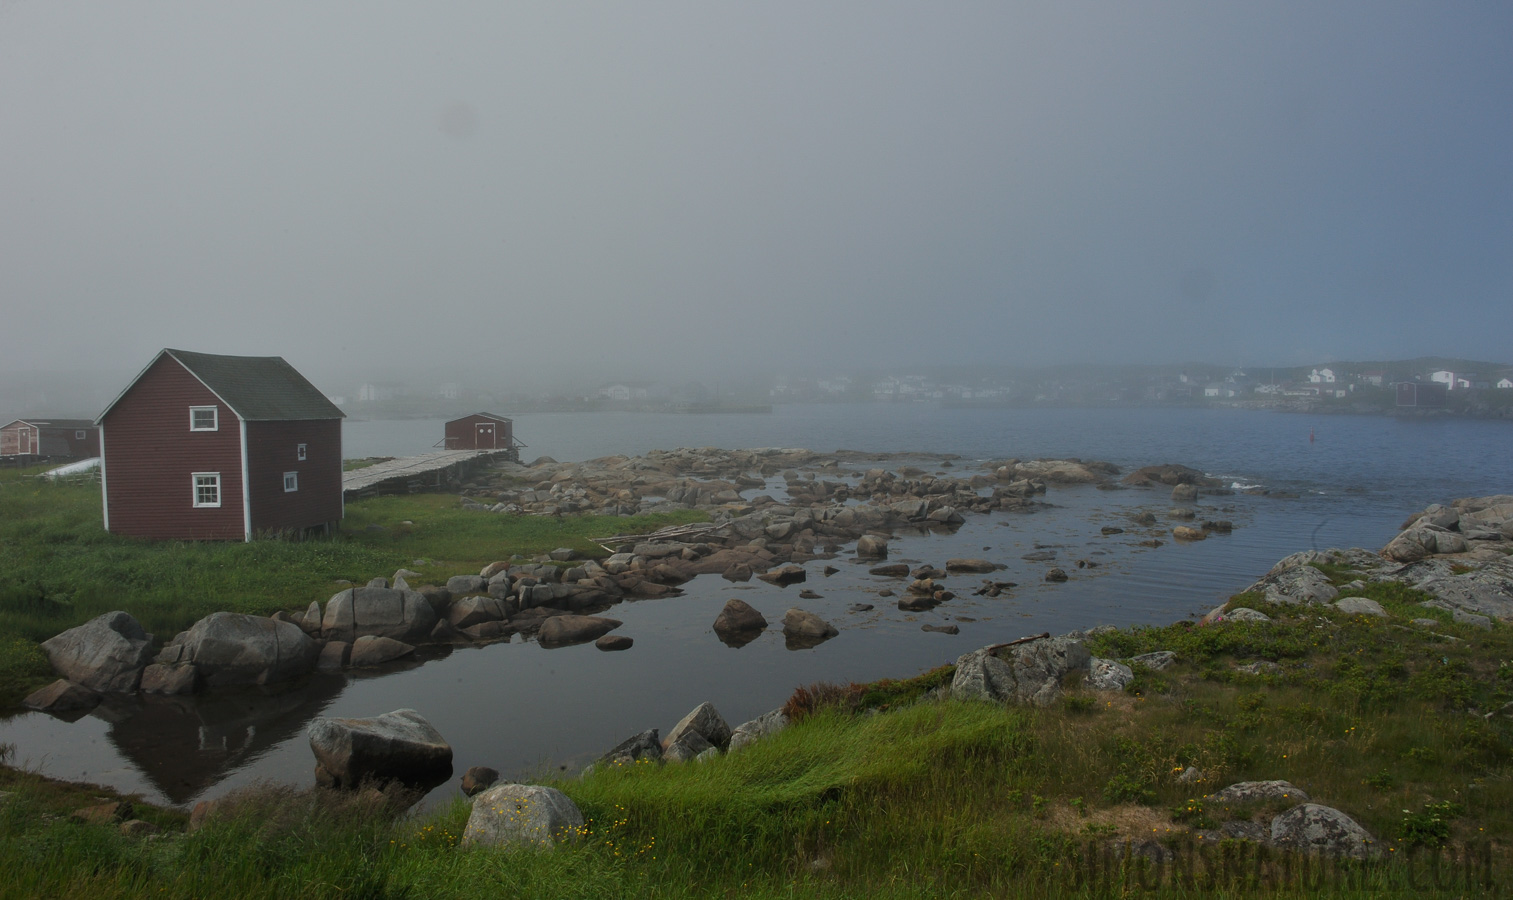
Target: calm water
point(520, 708)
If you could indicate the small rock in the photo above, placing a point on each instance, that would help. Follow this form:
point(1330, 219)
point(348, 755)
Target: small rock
point(941, 629)
point(1360, 606)
point(1056, 574)
point(104, 813)
point(1310, 827)
point(614, 642)
point(62, 696)
point(138, 828)
point(1107, 675)
point(478, 778)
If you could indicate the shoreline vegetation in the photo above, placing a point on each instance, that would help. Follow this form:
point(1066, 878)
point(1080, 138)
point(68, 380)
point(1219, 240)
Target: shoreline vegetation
point(1390, 710)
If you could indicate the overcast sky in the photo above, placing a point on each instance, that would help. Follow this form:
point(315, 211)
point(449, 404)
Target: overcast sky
point(549, 186)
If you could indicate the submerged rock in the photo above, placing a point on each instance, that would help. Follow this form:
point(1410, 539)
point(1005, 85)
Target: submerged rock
point(399, 745)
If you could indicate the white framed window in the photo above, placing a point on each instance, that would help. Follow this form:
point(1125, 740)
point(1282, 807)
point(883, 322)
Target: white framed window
point(207, 489)
point(299, 452)
point(78, 435)
point(291, 482)
point(203, 418)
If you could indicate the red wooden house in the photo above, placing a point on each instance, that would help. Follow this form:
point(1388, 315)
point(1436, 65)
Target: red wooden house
point(480, 431)
point(204, 447)
point(42, 436)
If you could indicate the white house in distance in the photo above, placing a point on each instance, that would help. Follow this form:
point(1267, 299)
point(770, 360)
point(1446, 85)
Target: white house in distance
point(1505, 383)
point(1321, 376)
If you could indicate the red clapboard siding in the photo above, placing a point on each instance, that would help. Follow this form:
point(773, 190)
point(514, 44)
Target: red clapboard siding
point(152, 455)
point(272, 450)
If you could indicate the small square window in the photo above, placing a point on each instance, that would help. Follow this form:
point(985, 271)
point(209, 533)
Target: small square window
point(299, 452)
point(79, 435)
point(291, 482)
point(207, 489)
point(203, 418)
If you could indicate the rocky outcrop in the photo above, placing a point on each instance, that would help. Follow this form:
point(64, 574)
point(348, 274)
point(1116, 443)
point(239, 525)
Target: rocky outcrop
point(1259, 792)
point(522, 815)
point(106, 654)
point(234, 648)
point(399, 746)
point(706, 722)
point(1029, 671)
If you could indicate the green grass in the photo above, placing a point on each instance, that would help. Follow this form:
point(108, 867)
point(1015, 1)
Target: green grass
point(62, 568)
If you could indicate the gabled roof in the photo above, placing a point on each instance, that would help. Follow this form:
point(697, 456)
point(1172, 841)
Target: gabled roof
point(478, 415)
point(52, 423)
point(257, 388)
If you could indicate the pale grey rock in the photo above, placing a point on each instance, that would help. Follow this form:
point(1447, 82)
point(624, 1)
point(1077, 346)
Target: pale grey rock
point(870, 546)
point(738, 617)
point(762, 726)
point(1029, 672)
point(646, 745)
point(1184, 493)
point(180, 678)
point(372, 650)
point(1360, 606)
point(399, 745)
point(1156, 661)
point(1246, 614)
point(560, 631)
point(1303, 584)
point(523, 816)
point(704, 721)
point(234, 648)
point(106, 654)
point(466, 584)
point(1259, 791)
point(806, 624)
point(476, 609)
point(62, 696)
point(1190, 775)
point(1312, 828)
point(1108, 675)
point(402, 615)
point(1472, 619)
point(689, 745)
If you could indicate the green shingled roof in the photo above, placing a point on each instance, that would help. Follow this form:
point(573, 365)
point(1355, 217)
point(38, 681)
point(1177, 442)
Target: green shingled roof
point(259, 388)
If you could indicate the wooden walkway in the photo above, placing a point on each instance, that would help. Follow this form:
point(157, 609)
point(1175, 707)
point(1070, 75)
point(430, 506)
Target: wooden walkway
point(409, 473)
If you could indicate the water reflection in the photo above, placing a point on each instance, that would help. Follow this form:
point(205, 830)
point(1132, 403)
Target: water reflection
point(184, 745)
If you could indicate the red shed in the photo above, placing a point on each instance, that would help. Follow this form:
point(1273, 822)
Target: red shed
point(480, 431)
point(74, 438)
point(203, 447)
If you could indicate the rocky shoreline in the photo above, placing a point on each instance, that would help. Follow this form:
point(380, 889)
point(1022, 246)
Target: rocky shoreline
point(1459, 555)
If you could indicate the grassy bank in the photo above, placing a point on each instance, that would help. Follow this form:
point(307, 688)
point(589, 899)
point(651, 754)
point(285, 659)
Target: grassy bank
point(885, 791)
point(62, 568)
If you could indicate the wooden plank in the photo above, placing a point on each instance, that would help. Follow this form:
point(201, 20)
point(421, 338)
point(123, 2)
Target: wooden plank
point(408, 467)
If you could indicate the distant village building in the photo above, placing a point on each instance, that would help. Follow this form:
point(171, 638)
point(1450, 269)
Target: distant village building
point(1321, 376)
point(1375, 377)
point(206, 447)
point(625, 391)
point(1504, 383)
point(1444, 377)
point(50, 437)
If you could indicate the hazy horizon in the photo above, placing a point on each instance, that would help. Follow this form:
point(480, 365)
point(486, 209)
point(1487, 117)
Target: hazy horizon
point(559, 195)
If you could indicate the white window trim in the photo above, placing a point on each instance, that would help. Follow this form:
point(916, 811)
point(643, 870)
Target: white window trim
point(80, 435)
point(194, 487)
point(300, 451)
point(215, 415)
point(291, 482)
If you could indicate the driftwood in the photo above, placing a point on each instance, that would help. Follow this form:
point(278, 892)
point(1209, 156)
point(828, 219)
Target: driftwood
point(994, 648)
point(671, 533)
